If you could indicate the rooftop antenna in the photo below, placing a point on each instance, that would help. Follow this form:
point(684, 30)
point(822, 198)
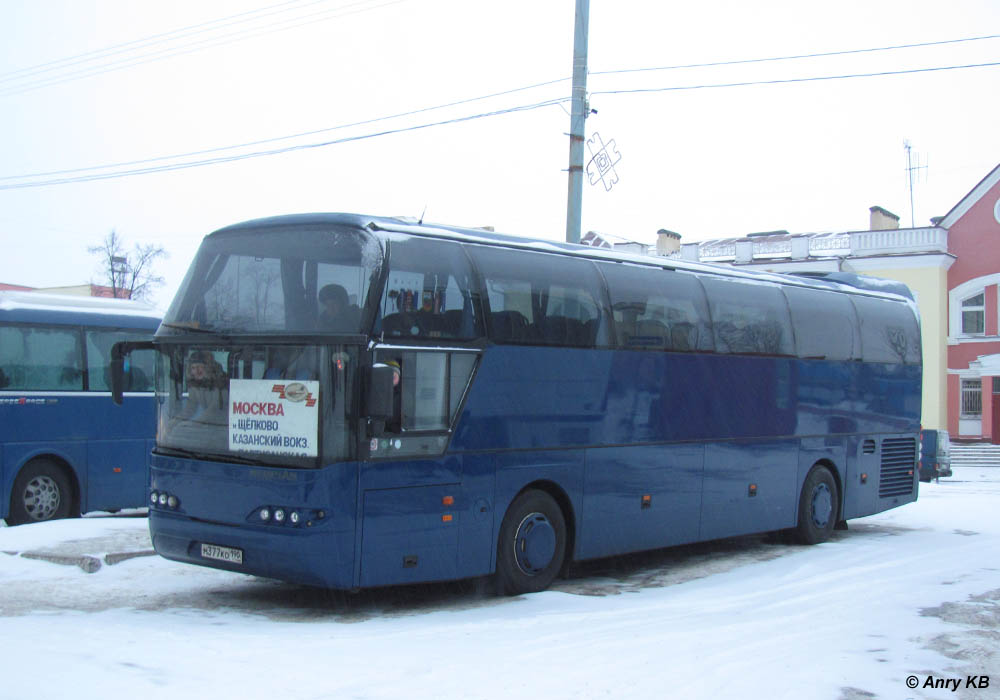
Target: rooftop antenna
point(420, 221)
point(912, 169)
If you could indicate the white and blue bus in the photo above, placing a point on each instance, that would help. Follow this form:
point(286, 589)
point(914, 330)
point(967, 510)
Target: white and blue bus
point(64, 448)
point(352, 401)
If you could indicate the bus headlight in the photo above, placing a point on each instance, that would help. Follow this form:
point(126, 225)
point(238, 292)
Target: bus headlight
point(279, 516)
point(265, 514)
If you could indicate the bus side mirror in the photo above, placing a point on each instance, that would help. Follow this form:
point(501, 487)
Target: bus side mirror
point(380, 403)
point(116, 368)
point(117, 371)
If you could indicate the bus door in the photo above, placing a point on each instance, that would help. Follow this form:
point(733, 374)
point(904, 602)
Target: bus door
point(421, 508)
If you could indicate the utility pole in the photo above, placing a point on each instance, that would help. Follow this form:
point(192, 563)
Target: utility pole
point(578, 115)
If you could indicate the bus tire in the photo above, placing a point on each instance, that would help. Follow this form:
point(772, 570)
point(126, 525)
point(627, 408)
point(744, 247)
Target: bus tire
point(532, 544)
point(817, 507)
point(41, 492)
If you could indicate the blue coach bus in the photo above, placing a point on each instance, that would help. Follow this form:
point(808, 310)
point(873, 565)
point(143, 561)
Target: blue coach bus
point(64, 448)
point(349, 401)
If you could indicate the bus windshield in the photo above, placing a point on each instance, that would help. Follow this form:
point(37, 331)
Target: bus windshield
point(281, 280)
point(279, 404)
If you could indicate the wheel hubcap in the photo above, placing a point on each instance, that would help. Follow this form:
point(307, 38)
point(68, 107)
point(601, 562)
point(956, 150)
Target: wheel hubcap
point(41, 498)
point(822, 505)
point(534, 544)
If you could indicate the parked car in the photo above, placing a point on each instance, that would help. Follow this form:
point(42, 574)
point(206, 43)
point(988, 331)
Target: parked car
point(935, 454)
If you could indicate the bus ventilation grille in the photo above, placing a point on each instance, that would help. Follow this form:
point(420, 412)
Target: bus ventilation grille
point(899, 458)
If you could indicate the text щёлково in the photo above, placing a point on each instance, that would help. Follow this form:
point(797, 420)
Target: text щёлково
point(952, 684)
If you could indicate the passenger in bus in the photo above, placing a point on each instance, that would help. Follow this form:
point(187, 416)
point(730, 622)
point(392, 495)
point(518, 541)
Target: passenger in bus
point(207, 385)
point(337, 313)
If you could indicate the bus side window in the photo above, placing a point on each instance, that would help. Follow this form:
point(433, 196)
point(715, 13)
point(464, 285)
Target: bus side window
point(432, 385)
point(825, 323)
point(658, 309)
point(429, 293)
point(561, 300)
point(889, 331)
point(41, 358)
point(749, 317)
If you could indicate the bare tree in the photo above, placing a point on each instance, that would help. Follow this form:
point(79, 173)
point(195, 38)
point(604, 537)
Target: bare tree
point(129, 274)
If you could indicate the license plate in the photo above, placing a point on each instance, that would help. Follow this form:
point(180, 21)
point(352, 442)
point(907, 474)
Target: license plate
point(230, 555)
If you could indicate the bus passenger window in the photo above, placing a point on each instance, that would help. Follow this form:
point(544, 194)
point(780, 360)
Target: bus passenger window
point(749, 318)
point(543, 299)
point(658, 309)
point(37, 359)
point(429, 293)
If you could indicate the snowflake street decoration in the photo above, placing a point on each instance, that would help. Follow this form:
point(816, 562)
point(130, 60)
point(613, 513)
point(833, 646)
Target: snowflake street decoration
point(603, 159)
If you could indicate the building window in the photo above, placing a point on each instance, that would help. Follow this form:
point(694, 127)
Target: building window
point(974, 315)
point(972, 398)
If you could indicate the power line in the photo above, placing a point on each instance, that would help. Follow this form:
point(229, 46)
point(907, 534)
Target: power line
point(118, 48)
point(796, 57)
point(276, 151)
point(200, 45)
point(53, 179)
point(287, 137)
point(786, 81)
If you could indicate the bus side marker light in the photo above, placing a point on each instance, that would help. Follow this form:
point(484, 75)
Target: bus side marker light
point(448, 501)
point(117, 470)
point(647, 500)
point(752, 491)
point(864, 478)
point(446, 518)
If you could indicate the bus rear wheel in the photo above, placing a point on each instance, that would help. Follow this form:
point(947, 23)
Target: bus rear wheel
point(532, 544)
point(817, 507)
point(41, 492)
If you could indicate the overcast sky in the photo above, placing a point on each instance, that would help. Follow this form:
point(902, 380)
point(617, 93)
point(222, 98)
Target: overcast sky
point(802, 156)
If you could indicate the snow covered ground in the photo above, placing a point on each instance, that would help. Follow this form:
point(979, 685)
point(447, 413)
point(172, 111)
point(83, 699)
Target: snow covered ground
point(912, 593)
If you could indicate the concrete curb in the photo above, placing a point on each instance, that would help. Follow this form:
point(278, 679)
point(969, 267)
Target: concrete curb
point(87, 563)
point(118, 557)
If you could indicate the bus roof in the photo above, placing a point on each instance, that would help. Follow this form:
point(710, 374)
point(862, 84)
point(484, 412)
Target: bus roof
point(69, 309)
point(840, 281)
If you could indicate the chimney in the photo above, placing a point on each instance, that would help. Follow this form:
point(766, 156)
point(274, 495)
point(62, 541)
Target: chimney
point(882, 220)
point(667, 242)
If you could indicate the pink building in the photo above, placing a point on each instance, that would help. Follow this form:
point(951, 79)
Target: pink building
point(973, 227)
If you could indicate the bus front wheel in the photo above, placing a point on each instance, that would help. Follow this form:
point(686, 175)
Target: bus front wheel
point(41, 492)
point(817, 507)
point(532, 544)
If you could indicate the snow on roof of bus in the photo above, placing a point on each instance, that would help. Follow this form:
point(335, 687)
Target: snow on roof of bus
point(408, 225)
point(75, 304)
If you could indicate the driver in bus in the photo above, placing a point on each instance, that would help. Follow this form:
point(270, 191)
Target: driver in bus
point(337, 313)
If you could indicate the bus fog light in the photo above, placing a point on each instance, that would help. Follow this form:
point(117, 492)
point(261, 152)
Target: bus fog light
point(265, 514)
point(163, 499)
point(294, 517)
point(279, 515)
point(172, 501)
point(154, 498)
